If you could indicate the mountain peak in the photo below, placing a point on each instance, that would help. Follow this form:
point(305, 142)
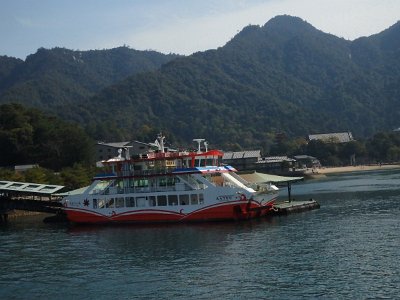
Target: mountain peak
point(281, 27)
point(288, 23)
point(389, 39)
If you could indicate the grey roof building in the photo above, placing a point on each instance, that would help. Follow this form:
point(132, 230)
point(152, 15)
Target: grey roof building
point(339, 137)
point(242, 160)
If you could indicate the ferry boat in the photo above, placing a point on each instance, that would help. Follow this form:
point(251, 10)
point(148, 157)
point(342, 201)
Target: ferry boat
point(169, 186)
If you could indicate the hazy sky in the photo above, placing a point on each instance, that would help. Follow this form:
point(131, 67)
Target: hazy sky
point(173, 26)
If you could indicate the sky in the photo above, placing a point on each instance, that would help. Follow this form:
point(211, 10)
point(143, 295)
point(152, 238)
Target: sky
point(173, 26)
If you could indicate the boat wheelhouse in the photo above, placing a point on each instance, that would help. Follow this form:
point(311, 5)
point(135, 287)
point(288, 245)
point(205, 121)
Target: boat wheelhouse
point(167, 186)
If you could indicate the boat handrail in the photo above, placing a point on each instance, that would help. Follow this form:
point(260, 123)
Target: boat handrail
point(156, 189)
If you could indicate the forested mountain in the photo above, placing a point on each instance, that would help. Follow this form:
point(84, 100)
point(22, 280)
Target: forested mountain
point(285, 76)
point(51, 77)
point(7, 64)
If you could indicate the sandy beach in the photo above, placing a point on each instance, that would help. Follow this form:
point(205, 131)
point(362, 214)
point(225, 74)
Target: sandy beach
point(355, 168)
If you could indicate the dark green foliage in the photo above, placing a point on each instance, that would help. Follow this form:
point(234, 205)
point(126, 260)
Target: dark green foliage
point(73, 177)
point(7, 65)
point(385, 147)
point(76, 176)
point(27, 136)
point(285, 76)
point(58, 77)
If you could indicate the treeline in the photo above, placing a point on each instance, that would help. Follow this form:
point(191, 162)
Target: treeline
point(28, 136)
point(62, 152)
point(73, 177)
point(383, 147)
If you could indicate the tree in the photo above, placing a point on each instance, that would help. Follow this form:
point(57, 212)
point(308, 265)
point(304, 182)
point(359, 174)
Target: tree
point(353, 148)
point(76, 176)
point(28, 136)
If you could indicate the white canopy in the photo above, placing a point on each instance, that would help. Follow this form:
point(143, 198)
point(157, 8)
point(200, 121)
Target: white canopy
point(257, 177)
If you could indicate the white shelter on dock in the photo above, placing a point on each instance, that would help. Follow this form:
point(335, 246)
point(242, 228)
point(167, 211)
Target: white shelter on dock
point(262, 178)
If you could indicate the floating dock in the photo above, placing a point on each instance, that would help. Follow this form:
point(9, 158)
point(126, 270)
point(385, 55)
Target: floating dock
point(289, 207)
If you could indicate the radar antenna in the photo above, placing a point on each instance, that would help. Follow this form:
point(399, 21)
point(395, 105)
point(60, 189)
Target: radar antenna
point(199, 144)
point(206, 145)
point(160, 139)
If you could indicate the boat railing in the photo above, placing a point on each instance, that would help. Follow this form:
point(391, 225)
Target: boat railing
point(149, 172)
point(149, 189)
point(168, 155)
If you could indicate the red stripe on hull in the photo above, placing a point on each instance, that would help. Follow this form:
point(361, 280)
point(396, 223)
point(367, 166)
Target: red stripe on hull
point(225, 211)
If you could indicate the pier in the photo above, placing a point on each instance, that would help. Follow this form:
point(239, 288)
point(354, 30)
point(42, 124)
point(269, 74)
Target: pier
point(282, 207)
point(26, 196)
point(289, 207)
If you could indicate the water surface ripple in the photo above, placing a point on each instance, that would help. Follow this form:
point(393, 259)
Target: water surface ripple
point(348, 249)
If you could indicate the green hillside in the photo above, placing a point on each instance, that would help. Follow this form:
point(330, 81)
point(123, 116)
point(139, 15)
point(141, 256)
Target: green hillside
point(285, 76)
point(52, 77)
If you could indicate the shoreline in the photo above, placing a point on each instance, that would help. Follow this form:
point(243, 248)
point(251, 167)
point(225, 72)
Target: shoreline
point(331, 170)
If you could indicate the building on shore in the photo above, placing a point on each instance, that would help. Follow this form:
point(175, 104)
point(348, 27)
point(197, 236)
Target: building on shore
point(253, 161)
point(242, 160)
point(338, 137)
point(306, 161)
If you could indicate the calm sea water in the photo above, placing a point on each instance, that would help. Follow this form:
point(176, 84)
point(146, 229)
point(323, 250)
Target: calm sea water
point(347, 249)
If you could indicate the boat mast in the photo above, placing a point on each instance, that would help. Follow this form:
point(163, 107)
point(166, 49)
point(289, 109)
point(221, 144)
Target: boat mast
point(199, 144)
point(160, 143)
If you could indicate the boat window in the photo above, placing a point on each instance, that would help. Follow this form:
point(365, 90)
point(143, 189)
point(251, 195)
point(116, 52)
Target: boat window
point(102, 203)
point(184, 199)
point(99, 187)
point(141, 201)
point(209, 178)
point(120, 186)
point(110, 202)
point(119, 202)
point(162, 182)
point(94, 203)
point(130, 201)
point(152, 200)
point(141, 182)
point(201, 198)
point(193, 199)
point(173, 200)
point(170, 181)
point(162, 200)
point(137, 167)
